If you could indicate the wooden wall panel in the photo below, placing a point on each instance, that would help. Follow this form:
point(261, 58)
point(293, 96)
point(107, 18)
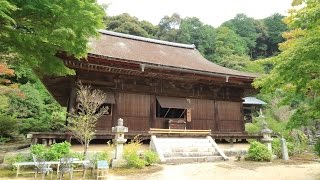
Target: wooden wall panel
point(161, 123)
point(229, 116)
point(135, 110)
point(202, 114)
point(104, 123)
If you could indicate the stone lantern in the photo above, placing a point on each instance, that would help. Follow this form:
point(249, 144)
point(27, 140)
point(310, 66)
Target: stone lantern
point(266, 133)
point(119, 140)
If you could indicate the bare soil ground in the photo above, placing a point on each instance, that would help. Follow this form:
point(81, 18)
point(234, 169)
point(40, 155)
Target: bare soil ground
point(231, 170)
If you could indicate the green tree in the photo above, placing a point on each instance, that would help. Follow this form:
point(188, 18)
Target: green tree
point(169, 27)
point(124, 23)
point(193, 31)
point(245, 27)
point(261, 47)
point(34, 31)
point(297, 68)
point(230, 49)
point(275, 27)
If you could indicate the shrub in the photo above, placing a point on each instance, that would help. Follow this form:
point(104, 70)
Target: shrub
point(150, 157)
point(317, 147)
point(17, 158)
point(276, 147)
point(131, 154)
point(133, 160)
point(54, 153)
point(300, 141)
point(8, 125)
point(3, 140)
point(39, 150)
point(252, 128)
point(258, 152)
point(77, 155)
point(58, 151)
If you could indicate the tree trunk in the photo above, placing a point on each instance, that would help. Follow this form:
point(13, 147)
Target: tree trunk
point(85, 149)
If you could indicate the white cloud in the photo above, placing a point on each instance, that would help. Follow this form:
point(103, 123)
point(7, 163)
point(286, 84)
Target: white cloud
point(211, 12)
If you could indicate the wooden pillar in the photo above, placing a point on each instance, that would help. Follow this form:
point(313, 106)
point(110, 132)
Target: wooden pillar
point(71, 101)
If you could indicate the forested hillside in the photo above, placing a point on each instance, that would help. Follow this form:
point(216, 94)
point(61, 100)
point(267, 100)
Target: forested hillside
point(234, 44)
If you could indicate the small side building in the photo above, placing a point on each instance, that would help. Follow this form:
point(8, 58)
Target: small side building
point(251, 105)
point(155, 84)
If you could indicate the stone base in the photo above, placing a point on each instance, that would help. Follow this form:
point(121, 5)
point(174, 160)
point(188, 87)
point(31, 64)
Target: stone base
point(118, 163)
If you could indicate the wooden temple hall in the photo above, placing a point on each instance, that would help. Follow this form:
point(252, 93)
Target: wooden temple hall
point(155, 84)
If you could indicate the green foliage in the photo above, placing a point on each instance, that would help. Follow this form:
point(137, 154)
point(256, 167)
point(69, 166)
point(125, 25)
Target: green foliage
point(317, 147)
point(38, 111)
point(124, 23)
point(17, 158)
point(297, 68)
point(276, 148)
point(169, 27)
point(39, 150)
point(258, 152)
point(36, 31)
point(8, 125)
point(58, 151)
point(252, 128)
point(151, 157)
point(275, 27)
point(299, 140)
point(130, 153)
point(229, 43)
point(4, 140)
point(133, 160)
point(193, 31)
point(245, 28)
point(54, 153)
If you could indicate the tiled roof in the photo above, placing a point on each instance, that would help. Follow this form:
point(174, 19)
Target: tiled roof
point(253, 100)
point(156, 52)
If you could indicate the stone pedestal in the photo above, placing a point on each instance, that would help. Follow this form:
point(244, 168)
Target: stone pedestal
point(119, 130)
point(284, 149)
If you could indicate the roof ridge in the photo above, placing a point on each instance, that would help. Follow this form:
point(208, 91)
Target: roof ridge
point(139, 38)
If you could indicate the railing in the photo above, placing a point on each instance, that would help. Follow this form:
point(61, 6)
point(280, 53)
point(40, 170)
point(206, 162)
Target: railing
point(179, 131)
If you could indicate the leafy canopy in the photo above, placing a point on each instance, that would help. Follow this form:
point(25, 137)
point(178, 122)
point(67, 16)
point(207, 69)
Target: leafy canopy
point(297, 69)
point(36, 30)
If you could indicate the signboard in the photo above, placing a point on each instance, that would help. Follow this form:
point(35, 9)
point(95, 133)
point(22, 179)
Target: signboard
point(188, 115)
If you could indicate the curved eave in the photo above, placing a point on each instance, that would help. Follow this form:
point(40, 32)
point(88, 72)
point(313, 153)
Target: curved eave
point(178, 69)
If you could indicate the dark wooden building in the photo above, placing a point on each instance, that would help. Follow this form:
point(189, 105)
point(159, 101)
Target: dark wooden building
point(155, 84)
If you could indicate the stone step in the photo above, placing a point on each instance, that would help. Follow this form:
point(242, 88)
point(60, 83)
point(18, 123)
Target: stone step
point(204, 145)
point(190, 154)
point(168, 140)
point(187, 149)
point(181, 160)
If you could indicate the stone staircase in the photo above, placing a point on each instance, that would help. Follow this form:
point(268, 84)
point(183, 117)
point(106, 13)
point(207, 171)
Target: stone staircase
point(186, 150)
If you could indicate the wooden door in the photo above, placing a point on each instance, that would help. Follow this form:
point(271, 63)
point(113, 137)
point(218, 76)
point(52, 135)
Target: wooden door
point(134, 109)
point(202, 115)
point(229, 116)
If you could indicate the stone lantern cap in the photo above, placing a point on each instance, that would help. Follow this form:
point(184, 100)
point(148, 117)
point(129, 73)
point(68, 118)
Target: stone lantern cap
point(266, 131)
point(120, 128)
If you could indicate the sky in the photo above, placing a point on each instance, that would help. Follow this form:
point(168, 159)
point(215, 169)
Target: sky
point(212, 12)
